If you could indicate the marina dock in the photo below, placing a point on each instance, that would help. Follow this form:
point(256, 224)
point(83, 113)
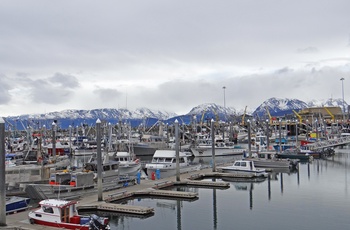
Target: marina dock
point(137, 210)
point(147, 188)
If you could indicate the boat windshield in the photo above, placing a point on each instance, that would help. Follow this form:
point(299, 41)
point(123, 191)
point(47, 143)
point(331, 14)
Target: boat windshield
point(243, 164)
point(158, 160)
point(162, 160)
point(168, 160)
point(47, 209)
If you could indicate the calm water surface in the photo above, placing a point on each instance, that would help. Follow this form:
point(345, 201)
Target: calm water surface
point(314, 197)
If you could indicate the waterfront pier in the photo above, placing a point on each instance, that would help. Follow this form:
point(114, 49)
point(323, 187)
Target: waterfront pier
point(146, 188)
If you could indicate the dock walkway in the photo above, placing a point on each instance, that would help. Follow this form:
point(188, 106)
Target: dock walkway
point(20, 221)
point(319, 145)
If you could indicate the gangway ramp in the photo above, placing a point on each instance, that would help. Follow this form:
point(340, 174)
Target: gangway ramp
point(329, 143)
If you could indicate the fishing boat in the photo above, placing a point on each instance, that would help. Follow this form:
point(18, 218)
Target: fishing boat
point(164, 163)
point(204, 149)
point(127, 165)
point(149, 144)
point(110, 168)
point(63, 214)
point(294, 153)
point(244, 167)
point(282, 144)
point(267, 159)
point(16, 203)
point(275, 163)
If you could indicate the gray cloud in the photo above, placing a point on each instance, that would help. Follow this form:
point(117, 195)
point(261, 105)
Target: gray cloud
point(169, 54)
point(5, 96)
point(42, 91)
point(107, 94)
point(308, 50)
point(283, 70)
point(64, 80)
point(49, 90)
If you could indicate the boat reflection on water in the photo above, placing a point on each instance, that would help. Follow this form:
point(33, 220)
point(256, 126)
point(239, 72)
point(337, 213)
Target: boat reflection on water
point(239, 180)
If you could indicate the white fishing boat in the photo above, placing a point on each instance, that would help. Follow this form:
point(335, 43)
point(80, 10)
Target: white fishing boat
point(110, 168)
point(63, 214)
point(127, 165)
point(244, 167)
point(164, 162)
point(267, 159)
point(221, 149)
point(274, 163)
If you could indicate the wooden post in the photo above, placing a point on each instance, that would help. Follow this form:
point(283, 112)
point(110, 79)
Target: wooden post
point(99, 160)
point(2, 174)
point(177, 152)
point(249, 140)
point(213, 143)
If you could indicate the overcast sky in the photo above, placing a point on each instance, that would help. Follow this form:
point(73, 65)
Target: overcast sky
point(170, 55)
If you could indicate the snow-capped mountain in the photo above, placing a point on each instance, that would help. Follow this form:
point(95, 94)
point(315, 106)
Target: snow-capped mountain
point(105, 113)
point(327, 102)
point(275, 106)
point(279, 107)
point(211, 107)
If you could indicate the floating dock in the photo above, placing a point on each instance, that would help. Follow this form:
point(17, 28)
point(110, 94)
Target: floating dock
point(151, 192)
point(204, 184)
point(151, 188)
point(136, 210)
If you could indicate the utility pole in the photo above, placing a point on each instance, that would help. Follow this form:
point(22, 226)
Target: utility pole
point(342, 90)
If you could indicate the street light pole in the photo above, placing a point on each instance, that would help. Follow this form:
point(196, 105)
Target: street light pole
point(224, 97)
point(54, 129)
point(342, 90)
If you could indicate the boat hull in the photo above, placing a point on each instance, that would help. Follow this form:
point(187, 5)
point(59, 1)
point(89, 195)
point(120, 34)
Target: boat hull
point(207, 151)
point(301, 157)
point(144, 150)
point(275, 163)
point(283, 147)
point(59, 225)
point(15, 204)
point(171, 171)
point(148, 148)
point(258, 173)
point(129, 170)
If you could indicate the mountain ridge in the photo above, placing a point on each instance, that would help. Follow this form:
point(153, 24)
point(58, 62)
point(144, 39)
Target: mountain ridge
point(275, 106)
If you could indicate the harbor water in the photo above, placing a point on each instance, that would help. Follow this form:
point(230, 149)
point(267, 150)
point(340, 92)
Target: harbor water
point(316, 196)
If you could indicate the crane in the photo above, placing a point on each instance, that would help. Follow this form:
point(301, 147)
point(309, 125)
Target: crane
point(331, 114)
point(202, 118)
point(268, 114)
point(297, 114)
point(243, 116)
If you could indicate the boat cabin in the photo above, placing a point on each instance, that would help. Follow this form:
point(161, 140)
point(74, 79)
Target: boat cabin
point(123, 157)
point(168, 156)
point(244, 165)
point(63, 214)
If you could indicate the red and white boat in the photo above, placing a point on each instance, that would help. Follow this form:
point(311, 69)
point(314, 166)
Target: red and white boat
point(63, 214)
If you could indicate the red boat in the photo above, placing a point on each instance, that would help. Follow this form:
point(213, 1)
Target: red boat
point(63, 214)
